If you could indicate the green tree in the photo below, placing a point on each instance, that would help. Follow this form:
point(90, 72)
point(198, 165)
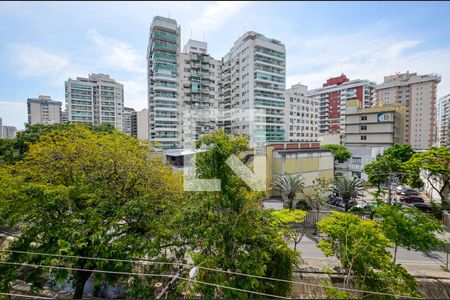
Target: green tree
point(436, 163)
point(346, 188)
point(12, 150)
point(341, 154)
point(91, 194)
point(361, 247)
point(409, 228)
point(319, 196)
point(230, 231)
point(289, 223)
point(391, 161)
point(289, 186)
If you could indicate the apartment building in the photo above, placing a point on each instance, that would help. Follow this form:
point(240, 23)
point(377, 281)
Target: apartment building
point(43, 110)
point(127, 118)
point(443, 121)
point(253, 81)
point(418, 94)
point(374, 126)
point(332, 97)
point(198, 86)
point(9, 132)
point(163, 54)
point(95, 100)
point(302, 115)
point(141, 125)
point(1, 128)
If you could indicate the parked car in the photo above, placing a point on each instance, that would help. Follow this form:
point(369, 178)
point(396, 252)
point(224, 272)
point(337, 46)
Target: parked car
point(412, 199)
point(409, 192)
point(423, 207)
point(400, 189)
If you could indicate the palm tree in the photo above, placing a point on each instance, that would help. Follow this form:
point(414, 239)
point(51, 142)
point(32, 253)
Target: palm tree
point(346, 188)
point(289, 186)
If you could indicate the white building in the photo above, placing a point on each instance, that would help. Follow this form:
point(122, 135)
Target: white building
point(1, 128)
point(162, 65)
point(302, 115)
point(127, 120)
point(43, 110)
point(9, 132)
point(361, 156)
point(254, 76)
point(332, 97)
point(198, 91)
point(95, 100)
point(418, 94)
point(443, 121)
point(140, 124)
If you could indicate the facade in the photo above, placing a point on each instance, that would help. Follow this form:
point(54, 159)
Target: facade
point(332, 99)
point(162, 65)
point(43, 110)
point(9, 132)
point(127, 120)
point(198, 91)
point(302, 115)
point(418, 94)
point(305, 159)
point(95, 100)
point(361, 155)
point(443, 121)
point(64, 116)
point(253, 81)
point(374, 126)
point(1, 128)
point(142, 124)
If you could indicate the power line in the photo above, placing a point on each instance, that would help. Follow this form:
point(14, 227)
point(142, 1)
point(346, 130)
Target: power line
point(24, 296)
point(140, 274)
point(189, 265)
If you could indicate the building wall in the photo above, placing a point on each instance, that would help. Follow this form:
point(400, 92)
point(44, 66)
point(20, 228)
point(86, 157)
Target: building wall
point(418, 94)
point(127, 120)
point(95, 100)
point(9, 132)
point(302, 115)
point(43, 110)
point(162, 65)
point(361, 155)
point(254, 76)
point(443, 121)
point(142, 124)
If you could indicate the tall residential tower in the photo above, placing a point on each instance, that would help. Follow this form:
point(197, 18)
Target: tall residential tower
point(43, 110)
point(162, 63)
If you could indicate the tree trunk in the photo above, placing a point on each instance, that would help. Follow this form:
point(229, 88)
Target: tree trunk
point(346, 204)
point(317, 220)
point(395, 253)
point(80, 278)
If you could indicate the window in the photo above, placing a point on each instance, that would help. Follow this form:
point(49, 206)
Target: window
point(364, 127)
point(363, 118)
point(363, 137)
point(356, 160)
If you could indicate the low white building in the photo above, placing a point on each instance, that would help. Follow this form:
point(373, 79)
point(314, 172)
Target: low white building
point(361, 155)
point(428, 187)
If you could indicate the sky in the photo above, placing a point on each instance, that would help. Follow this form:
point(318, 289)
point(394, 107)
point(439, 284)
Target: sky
point(45, 43)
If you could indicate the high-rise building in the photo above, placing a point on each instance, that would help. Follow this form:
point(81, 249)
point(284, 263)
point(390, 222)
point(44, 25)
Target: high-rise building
point(443, 121)
point(162, 63)
point(253, 78)
point(332, 97)
point(95, 100)
point(1, 128)
point(43, 110)
point(418, 94)
point(302, 115)
point(64, 116)
point(198, 85)
point(9, 132)
point(127, 120)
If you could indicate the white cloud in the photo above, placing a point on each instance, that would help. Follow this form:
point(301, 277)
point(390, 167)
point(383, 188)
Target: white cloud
point(215, 15)
point(136, 92)
point(117, 54)
point(14, 113)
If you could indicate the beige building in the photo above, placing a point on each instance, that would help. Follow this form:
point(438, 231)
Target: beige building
point(418, 94)
point(43, 110)
point(374, 126)
point(302, 115)
point(305, 159)
point(198, 91)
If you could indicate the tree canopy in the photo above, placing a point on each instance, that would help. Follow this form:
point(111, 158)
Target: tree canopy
point(361, 247)
point(409, 228)
point(341, 154)
point(87, 193)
